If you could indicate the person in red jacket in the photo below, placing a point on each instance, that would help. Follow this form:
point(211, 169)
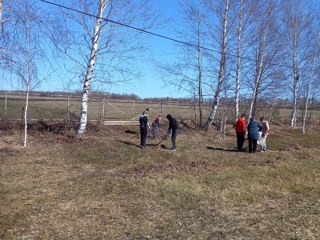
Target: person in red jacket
point(241, 131)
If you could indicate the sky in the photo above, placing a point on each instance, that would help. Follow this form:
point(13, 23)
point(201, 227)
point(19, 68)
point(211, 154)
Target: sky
point(151, 83)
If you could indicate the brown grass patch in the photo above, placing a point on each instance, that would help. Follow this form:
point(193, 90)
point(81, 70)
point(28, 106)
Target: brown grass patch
point(103, 186)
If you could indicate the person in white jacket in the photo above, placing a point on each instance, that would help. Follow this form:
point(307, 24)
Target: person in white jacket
point(264, 133)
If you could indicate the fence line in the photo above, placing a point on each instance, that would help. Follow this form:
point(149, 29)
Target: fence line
point(68, 108)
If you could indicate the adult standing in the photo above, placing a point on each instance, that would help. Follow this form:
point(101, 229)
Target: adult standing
point(241, 131)
point(174, 130)
point(253, 135)
point(265, 130)
point(144, 125)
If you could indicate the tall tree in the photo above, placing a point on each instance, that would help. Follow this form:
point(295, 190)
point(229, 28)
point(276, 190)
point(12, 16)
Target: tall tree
point(239, 55)
point(222, 64)
point(25, 30)
point(200, 94)
point(91, 62)
point(297, 20)
point(308, 85)
point(102, 43)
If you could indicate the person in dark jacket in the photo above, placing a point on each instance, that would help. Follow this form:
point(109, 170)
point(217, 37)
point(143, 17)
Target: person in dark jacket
point(144, 125)
point(173, 129)
point(253, 135)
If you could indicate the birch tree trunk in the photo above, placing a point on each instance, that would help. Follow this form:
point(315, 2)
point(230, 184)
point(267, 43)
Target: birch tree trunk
point(308, 86)
point(237, 92)
point(259, 67)
point(199, 69)
point(27, 81)
point(87, 79)
point(221, 68)
point(293, 119)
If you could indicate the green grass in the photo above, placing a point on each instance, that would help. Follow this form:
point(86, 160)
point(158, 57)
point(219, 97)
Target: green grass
point(102, 186)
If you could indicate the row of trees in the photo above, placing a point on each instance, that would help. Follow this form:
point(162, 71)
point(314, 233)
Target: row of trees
point(258, 49)
point(242, 48)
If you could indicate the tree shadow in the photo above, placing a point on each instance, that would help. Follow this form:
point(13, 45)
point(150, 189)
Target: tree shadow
point(223, 149)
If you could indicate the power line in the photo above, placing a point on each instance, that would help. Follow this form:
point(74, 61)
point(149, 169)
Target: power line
point(154, 34)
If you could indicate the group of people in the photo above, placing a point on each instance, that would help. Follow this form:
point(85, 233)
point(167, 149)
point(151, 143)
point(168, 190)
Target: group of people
point(145, 125)
point(257, 132)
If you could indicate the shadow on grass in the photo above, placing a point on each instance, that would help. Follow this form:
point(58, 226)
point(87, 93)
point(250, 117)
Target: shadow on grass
point(130, 132)
point(223, 149)
point(130, 143)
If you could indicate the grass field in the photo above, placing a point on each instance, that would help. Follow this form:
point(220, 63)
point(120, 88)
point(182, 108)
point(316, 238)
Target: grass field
point(57, 107)
point(103, 186)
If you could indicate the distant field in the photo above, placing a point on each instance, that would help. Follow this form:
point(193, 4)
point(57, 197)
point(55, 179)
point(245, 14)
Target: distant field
point(103, 186)
point(58, 107)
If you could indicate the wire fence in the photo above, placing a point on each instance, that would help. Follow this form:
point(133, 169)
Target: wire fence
point(67, 108)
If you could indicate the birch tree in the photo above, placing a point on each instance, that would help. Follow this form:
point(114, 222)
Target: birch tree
point(200, 94)
point(92, 59)
point(24, 31)
point(297, 24)
point(222, 64)
point(102, 44)
point(238, 71)
point(187, 72)
point(309, 83)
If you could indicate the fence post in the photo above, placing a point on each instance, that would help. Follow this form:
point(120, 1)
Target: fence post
point(161, 106)
point(102, 111)
point(132, 109)
point(68, 110)
point(5, 106)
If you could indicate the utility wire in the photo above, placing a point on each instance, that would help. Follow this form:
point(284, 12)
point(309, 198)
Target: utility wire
point(154, 34)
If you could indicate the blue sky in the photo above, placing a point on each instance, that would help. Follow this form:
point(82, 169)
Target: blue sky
point(151, 83)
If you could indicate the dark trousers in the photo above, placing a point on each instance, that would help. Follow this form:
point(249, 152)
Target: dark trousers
point(252, 145)
point(143, 133)
point(174, 138)
point(240, 140)
point(155, 131)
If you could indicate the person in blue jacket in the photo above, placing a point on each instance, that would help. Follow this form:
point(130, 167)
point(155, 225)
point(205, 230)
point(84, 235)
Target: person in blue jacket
point(253, 135)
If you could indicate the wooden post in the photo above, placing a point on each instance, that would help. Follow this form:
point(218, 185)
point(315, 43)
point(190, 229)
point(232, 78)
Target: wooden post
point(68, 110)
point(102, 111)
point(161, 106)
point(5, 106)
point(132, 109)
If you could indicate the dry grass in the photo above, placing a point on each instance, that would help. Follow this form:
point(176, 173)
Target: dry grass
point(102, 186)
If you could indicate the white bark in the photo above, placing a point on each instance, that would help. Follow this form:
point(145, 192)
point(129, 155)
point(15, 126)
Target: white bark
point(221, 69)
point(237, 92)
point(293, 119)
point(259, 67)
point(87, 79)
point(308, 86)
point(27, 81)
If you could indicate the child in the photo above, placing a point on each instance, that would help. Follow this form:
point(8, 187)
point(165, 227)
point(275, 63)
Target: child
point(155, 126)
